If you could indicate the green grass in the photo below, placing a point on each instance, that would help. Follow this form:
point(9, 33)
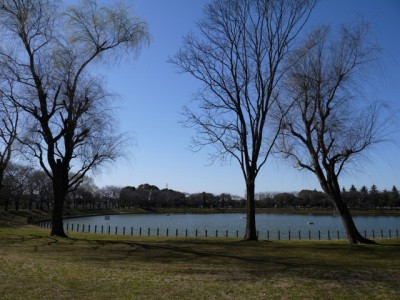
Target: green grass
point(34, 265)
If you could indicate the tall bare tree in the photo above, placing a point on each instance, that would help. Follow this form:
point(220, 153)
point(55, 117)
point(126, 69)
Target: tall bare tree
point(8, 132)
point(51, 67)
point(330, 124)
point(239, 57)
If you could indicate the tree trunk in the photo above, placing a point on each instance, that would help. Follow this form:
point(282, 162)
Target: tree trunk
point(57, 216)
point(352, 233)
point(251, 231)
point(60, 187)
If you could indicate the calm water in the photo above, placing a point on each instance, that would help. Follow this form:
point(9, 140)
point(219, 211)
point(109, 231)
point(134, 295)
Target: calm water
point(269, 225)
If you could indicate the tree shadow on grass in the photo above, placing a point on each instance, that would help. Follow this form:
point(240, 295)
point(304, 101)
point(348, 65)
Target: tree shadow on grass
point(317, 261)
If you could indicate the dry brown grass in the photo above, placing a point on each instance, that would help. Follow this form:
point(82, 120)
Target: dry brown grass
point(34, 265)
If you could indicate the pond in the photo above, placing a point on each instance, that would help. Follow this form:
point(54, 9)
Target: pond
point(269, 225)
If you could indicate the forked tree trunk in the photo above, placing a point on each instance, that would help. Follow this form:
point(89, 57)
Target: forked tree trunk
point(251, 231)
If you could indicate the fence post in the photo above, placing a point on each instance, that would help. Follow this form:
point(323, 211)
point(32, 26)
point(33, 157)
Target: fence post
point(279, 235)
point(329, 236)
point(309, 234)
point(196, 232)
point(83, 228)
point(390, 234)
point(77, 228)
point(373, 233)
point(206, 232)
point(89, 228)
point(186, 233)
point(131, 230)
point(158, 231)
point(338, 235)
point(382, 233)
point(319, 234)
point(116, 230)
point(167, 231)
point(148, 232)
point(95, 228)
point(365, 233)
point(289, 235)
point(102, 229)
point(123, 230)
point(237, 233)
point(67, 226)
point(397, 233)
point(109, 229)
point(299, 235)
point(176, 234)
point(226, 235)
point(267, 234)
point(216, 233)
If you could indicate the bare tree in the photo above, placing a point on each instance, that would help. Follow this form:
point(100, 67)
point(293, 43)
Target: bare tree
point(110, 196)
point(239, 57)
point(8, 133)
point(51, 67)
point(330, 124)
point(15, 189)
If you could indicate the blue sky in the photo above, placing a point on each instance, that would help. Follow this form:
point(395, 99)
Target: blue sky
point(151, 96)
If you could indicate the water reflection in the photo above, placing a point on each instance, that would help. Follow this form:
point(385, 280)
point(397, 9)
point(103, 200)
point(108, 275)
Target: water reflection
point(269, 225)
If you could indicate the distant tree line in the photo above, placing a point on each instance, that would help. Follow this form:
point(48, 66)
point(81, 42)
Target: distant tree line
point(363, 198)
point(25, 187)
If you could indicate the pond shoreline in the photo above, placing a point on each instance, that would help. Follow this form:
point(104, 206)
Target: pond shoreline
point(270, 225)
point(19, 217)
point(307, 211)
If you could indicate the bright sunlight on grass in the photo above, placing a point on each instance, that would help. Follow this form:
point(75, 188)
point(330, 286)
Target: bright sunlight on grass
point(34, 265)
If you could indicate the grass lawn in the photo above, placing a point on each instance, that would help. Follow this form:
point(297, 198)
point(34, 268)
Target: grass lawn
point(34, 265)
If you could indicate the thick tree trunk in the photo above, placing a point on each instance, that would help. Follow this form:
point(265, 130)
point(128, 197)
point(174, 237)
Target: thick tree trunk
point(60, 187)
point(57, 228)
point(251, 231)
point(353, 235)
point(332, 189)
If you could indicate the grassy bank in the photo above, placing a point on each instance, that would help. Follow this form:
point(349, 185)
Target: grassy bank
point(34, 265)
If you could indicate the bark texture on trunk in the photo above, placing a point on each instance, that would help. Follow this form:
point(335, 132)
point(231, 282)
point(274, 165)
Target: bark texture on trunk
point(251, 230)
